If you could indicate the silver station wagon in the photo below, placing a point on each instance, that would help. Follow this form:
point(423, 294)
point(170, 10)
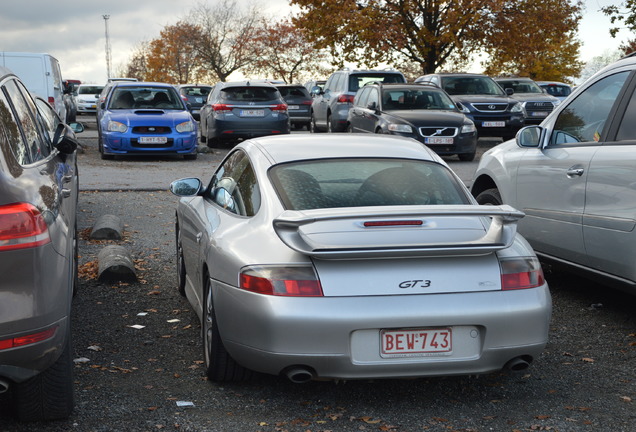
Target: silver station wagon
point(348, 256)
point(574, 177)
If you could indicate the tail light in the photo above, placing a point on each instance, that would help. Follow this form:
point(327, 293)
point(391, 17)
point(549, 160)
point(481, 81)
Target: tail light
point(22, 226)
point(221, 107)
point(521, 273)
point(51, 101)
point(28, 339)
point(278, 107)
point(308, 102)
point(289, 281)
point(345, 98)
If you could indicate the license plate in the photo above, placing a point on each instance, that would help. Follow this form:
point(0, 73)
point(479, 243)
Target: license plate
point(493, 124)
point(293, 107)
point(438, 140)
point(416, 342)
point(152, 140)
point(539, 114)
point(93, 106)
point(252, 113)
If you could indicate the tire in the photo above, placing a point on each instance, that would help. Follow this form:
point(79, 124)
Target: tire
point(75, 274)
point(214, 142)
point(329, 127)
point(48, 395)
point(181, 270)
point(490, 197)
point(313, 127)
point(102, 154)
point(466, 157)
point(349, 128)
point(202, 137)
point(219, 366)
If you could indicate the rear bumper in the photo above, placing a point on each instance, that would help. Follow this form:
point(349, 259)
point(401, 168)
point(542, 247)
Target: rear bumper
point(340, 337)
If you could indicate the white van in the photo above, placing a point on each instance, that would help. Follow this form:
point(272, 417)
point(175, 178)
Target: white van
point(40, 73)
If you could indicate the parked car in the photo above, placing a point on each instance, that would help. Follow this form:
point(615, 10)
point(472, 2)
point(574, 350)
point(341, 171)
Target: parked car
point(145, 118)
point(330, 108)
point(574, 178)
point(41, 74)
point(87, 98)
point(240, 110)
point(494, 112)
point(557, 89)
point(298, 103)
point(352, 256)
point(536, 103)
point(422, 112)
point(38, 253)
point(194, 95)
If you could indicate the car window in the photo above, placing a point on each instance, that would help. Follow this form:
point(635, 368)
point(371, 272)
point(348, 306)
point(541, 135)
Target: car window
point(583, 120)
point(11, 134)
point(520, 86)
point(336, 84)
point(293, 92)
point(627, 128)
point(357, 81)
point(472, 85)
point(25, 113)
point(374, 97)
point(234, 186)
point(89, 90)
point(49, 120)
point(145, 97)
point(195, 91)
point(557, 90)
point(362, 97)
point(410, 99)
point(329, 183)
point(249, 93)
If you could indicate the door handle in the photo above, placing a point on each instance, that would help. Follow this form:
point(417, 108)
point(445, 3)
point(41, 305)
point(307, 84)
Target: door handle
point(199, 235)
point(575, 172)
point(67, 178)
point(66, 192)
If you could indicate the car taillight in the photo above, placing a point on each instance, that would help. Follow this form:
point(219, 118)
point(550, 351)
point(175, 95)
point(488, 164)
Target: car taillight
point(22, 226)
point(28, 339)
point(51, 101)
point(278, 107)
point(521, 273)
point(221, 107)
point(345, 98)
point(290, 281)
point(308, 102)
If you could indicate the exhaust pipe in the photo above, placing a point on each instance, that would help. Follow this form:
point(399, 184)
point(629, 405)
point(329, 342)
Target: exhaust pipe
point(299, 375)
point(4, 386)
point(518, 364)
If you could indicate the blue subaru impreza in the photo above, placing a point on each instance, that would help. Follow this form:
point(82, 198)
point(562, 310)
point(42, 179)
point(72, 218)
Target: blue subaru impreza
point(145, 118)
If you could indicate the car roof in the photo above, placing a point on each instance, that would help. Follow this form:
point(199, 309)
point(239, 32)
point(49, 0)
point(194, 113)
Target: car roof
point(288, 148)
point(141, 84)
point(194, 85)
point(513, 79)
point(247, 84)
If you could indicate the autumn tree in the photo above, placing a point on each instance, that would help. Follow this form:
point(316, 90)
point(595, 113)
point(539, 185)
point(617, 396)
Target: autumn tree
point(282, 51)
point(429, 33)
point(621, 16)
point(172, 57)
point(136, 66)
point(535, 38)
point(224, 44)
point(628, 47)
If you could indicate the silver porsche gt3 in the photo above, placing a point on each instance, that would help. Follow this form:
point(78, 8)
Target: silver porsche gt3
point(346, 256)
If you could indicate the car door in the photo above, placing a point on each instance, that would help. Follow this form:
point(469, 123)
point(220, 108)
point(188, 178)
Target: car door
point(551, 181)
point(322, 102)
point(356, 113)
point(609, 218)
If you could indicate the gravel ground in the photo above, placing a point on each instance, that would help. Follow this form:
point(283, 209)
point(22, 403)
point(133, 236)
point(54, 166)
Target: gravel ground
point(130, 379)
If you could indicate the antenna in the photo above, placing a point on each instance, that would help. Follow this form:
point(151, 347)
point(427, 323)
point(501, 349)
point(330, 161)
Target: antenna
point(108, 57)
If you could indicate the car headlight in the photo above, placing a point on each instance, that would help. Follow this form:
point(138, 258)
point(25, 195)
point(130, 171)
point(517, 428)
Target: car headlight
point(468, 128)
point(516, 108)
point(463, 108)
point(402, 128)
point(115, 126)
point(186, 126)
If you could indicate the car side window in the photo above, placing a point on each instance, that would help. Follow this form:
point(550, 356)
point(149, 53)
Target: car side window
point(362, 97)
point(583, 120)
point(374, 96)
point(49, 120)
point(25, 115)
point(627, 128)
point(234, 186)
point(11, 135)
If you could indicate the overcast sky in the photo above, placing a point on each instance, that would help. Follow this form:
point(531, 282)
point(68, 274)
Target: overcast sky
point(73, 31)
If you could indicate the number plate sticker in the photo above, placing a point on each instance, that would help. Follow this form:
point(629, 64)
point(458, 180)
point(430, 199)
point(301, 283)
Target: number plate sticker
point(493, 124)
point(252, 113)
point(152, 140)
point(416, 342)
point(438, 140)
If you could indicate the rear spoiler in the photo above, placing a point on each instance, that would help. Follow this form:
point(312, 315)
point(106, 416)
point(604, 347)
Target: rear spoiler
point(398, 231)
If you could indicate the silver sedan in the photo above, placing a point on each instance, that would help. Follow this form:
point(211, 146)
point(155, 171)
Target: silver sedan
point(348, 256)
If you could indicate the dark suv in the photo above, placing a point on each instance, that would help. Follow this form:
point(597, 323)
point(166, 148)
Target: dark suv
point(38, 253)
point(536, 103)
point(330, 108)
point(493, 111)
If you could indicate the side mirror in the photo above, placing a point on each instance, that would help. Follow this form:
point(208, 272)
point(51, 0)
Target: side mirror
point(225, 199)
point(373, 106)
point(77, 127)
point(530, 136)
point(316, 90)
point(509, 91)
point(186, 187)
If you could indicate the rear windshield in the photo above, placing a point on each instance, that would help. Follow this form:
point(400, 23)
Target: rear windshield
point(520, 86)
point(557, 90)
point(249, 93)
point(145, 97)
point(293, 92)
point(90, 90)
point(195, 91)
point(357, 81)
point(472, 86)
point(329, 183)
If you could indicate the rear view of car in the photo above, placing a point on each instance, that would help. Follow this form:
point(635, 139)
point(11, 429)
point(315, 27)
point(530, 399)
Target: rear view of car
point(38, 260)
point(557, 89)
point(145, 118)
point(87, 97)
point(194, 96)
point(242, 110)
point(298, 104)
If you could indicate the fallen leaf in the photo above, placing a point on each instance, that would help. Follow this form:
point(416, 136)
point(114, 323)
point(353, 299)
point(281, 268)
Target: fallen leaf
point(626, 398)
point(588, 360)
point(542, 417)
